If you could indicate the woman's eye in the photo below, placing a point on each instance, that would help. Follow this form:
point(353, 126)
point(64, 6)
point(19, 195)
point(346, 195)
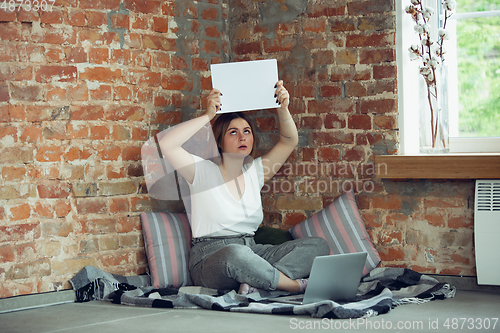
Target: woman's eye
point(232, 132)
point(247, 131)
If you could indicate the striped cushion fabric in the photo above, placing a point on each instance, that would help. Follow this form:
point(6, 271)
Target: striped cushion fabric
point(167, 239)
point(341, 225)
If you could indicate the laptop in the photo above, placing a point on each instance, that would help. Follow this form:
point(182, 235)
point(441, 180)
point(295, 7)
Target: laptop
point(333, 277)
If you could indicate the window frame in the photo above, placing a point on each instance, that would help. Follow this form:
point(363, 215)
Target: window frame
point(408, 77)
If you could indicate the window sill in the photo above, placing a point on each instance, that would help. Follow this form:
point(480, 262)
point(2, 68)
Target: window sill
point(449, 166)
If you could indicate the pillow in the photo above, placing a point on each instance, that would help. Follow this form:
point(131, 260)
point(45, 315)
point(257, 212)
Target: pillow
point(167, 239)
point(274, 236)
point(342, 227)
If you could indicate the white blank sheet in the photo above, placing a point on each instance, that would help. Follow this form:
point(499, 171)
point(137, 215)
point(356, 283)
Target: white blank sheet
point(246, 85)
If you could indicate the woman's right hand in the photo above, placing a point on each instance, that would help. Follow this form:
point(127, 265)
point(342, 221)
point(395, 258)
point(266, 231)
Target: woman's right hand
point(213, 103)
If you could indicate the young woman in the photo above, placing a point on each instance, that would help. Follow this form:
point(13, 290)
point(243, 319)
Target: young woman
point(226, 207)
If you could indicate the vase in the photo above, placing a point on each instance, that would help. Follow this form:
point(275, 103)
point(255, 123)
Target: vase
point(433, 108)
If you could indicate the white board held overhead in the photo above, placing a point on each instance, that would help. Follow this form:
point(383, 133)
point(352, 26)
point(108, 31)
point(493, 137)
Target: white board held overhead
point(246, 85)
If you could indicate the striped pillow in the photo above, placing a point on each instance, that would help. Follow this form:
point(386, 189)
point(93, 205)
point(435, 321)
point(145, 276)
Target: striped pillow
point(342, 227)
point(167, 239)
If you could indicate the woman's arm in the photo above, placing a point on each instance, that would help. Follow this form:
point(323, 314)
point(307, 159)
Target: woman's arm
point(289, 137)
point(171, 143)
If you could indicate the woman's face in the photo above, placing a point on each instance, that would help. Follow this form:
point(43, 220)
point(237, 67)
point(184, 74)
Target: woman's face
point(238, 137)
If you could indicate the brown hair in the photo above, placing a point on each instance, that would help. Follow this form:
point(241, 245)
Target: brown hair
point(221, 125)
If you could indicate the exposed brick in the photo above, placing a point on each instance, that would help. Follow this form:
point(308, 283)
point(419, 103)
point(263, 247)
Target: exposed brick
point(320, 10)
point(55, 16)
point(76, 55)
point(21, 155)
point(21, 73)
point(145, 77)
point(60, 228)
point(159, 43)
point(179, 63)
point(383, 21)
point(378, 106)
point(361, 40)
point(4, 93)
point(90, 112)
point(85, 206)
point(212, 31)
point(100, 74)
point(359, 122)
point(13, 173)
point(434, 220)
point(247, 48)
point(211, 46)
point(25, 270)
point(110, 153)
point(267, 124)
point(143, 6)
point(385, 122)
point(324, 106)
point(392, 254)
point(329, 138)
point(355, 89)
point(299, 203)
point(292, 219)
point(129, 113)
point(84, 86)
point(312, 122)
point(210, 14)
point(317, 25)
point(384, 72)
point(334, 121)
point(108, 4)
point(76, 18)
point(346, 57)
point(55, 35)
point(342, 24)
point(354, 154)
point(6, 253)
point(370, 6)
point(376, 56)
point(460, 222)
point(176, 82)
point(328, 154)
point(160, 24)
point(120, 21)
point(142, 59)
point(387, 202)
point(99, 56)
point(96, 18)
point(132, 154)
point(27, 93)
point(54, 190)
point(20, 212)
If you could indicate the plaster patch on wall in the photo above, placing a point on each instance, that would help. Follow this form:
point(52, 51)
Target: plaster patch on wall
point(278, 12)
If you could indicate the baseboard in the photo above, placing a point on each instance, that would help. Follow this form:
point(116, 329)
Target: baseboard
point(465, 283)
point(32, 301)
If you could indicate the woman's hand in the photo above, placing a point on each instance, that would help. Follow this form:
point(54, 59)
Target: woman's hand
point(213, 103)
point(282, 95)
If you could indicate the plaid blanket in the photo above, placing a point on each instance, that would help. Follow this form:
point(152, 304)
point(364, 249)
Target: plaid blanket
point(379, 292)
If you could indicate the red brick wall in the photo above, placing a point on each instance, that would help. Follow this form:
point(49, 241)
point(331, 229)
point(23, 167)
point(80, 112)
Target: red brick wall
point(82, 87)
point(337, 59)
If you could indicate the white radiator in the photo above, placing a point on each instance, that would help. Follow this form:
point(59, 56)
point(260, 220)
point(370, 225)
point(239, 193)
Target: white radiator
point(487, 231)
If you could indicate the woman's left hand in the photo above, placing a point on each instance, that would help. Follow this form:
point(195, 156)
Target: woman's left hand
point(282, 95)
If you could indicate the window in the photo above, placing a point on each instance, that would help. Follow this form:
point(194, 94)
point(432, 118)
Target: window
point(473, 60)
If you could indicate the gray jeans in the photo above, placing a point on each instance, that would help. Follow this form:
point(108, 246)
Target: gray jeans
point(225, 262)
